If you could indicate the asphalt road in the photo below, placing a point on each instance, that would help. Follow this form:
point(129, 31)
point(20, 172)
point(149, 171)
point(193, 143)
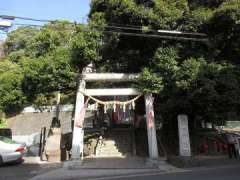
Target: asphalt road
point(220, 173)
point(27, 171)
point(24, 171)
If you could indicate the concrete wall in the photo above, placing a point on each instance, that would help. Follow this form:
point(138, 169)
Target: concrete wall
point(66, 121)
point(26, 126)
point(29, 123)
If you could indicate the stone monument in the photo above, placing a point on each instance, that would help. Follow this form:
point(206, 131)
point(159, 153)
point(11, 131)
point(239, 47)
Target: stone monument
point(184, 141)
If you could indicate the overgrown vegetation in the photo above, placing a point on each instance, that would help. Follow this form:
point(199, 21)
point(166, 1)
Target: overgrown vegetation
point(40, 62)
point(194, 78)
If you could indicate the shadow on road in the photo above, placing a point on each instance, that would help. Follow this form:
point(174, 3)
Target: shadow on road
point(23, 171)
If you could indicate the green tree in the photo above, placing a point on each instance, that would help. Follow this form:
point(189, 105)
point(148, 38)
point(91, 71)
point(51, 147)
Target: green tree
point(20, 43)
point(48, 73)
point(12, 96)
point(124, 53)
point(224, 31)
point(44, 58)
point(85, 46)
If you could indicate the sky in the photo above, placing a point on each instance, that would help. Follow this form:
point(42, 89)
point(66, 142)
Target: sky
point(72, 10)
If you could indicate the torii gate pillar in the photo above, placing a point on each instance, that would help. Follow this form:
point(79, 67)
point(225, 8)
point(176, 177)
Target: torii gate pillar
point(77, 142)
point(151, 127)
point(78, 133)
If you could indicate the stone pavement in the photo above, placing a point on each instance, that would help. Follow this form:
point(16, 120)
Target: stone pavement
point(93, 167)
point(36, 160)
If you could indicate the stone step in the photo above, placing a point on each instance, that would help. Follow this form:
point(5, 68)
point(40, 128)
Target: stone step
point(107, 148)
point(115, 150)
point(111, 155)
point(115, 154)
point(109, 152)
point(117, 144)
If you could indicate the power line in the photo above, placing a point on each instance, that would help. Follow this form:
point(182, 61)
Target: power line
point(113, 25)
point(159, 36)
point(156, 31)
point(135, 34)
point(24, 18)
point(126, 27)
point(151, 36)
point(133, 27)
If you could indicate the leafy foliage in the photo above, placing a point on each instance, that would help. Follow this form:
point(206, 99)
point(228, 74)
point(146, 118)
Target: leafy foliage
point(150, 82)
point(49, 73)
point(19, 43)
point(224, 31)
point(12, 97)
point(85, 47)
point(44, 61)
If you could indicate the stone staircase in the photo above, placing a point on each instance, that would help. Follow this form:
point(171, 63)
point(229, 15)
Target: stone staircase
point(52, 148)
point(118, 143)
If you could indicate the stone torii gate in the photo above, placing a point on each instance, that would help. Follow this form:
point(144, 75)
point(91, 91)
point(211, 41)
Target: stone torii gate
point(77, 142)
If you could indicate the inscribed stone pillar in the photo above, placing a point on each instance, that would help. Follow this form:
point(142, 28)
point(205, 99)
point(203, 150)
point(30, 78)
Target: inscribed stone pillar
point(184, 142)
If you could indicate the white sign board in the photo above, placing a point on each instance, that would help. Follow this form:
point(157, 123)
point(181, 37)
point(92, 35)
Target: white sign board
point(5, 23)
point(184, 141)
